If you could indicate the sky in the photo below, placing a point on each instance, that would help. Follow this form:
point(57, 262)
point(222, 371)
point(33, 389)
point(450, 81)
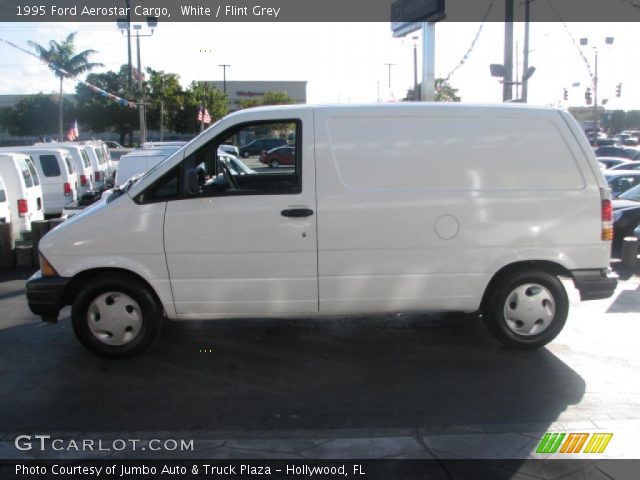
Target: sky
point(345, 62)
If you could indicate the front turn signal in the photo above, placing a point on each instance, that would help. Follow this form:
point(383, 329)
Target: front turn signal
point(45, 268)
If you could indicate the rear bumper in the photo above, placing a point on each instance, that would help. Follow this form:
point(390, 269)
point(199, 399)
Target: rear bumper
point(44, 295)
point(594, 284)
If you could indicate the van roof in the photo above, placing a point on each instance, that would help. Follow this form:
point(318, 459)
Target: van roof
point(403, 105)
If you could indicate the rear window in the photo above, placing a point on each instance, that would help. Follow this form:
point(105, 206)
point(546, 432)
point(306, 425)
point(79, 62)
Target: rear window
point(85, 158)
point(49, 164)
point(26, 174)
point(32, 170)
point(69, 166)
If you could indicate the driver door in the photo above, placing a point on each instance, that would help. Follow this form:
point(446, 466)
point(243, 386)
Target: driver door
point(245, 245)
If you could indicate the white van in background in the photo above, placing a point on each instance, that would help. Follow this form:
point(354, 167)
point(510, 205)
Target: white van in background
point(5, 211)
point(98, 161)
point(136, 162)
point(23, 190)
point(82, 166)
point(387, 208)
point(57, 176)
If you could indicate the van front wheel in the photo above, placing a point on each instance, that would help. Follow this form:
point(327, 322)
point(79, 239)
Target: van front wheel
point(527, 310)
point(116, 316)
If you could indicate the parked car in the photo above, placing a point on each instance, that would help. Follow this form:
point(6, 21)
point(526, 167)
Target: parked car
point(621, 180)
point(621, 152)
point(5, 211)
point(626, 166)
point(602, 142)
point(58, 178)
point(257, 146)
point(23, 190)
point(626, 217)
point(492, 235)
point(279, 156)
point(610, 162)
point(230, 149)
point(113, 145)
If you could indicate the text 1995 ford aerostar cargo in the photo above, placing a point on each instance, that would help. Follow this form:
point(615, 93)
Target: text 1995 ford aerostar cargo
point(388, 208)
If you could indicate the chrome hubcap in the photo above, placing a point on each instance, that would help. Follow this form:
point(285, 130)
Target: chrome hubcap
point(529, 309)
point(114, 318)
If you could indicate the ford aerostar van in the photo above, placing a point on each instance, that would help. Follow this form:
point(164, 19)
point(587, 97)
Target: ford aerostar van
point(387, 208)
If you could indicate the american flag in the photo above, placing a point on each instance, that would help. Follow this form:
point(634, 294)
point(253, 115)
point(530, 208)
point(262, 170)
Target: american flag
point(72, 133)
point(203, 115)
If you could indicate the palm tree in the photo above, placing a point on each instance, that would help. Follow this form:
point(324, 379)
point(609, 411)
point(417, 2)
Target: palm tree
point(63, 56)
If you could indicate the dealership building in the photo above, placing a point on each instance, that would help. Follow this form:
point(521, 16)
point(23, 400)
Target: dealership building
point(255, 90)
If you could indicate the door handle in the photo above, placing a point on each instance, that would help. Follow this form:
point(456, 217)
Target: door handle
point(296, 212)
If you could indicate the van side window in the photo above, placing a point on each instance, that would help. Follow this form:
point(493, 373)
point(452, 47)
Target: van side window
point(32, 170)
point(269, 162)
point(3, 196)
point(163, 189)
point(25, 173)
point(49, 165)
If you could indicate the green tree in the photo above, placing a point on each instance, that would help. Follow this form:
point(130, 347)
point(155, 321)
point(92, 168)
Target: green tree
point(165, 97)
point(269, 98)
point(63, 55)
point(33, 115)
point(444, 92)
point(185, 119)
point(103, 114)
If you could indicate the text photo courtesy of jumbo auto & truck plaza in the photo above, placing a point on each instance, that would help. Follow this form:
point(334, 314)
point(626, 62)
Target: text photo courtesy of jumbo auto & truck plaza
point(235, 261)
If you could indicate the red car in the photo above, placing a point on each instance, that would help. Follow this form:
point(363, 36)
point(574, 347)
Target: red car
point(279, 156)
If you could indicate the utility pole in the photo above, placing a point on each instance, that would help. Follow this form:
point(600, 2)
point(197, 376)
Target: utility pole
point(224, 77)
point(525, 61)
point(507, 86)
point(162, 112)
point(130, 77)
point(141, 109)
point(415, 69)
point(389, 65)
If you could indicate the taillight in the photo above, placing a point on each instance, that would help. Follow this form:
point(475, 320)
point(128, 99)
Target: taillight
point(606, 210)
point(67, 190)
point(97, 176)
point(23, 207)
point(83, 180)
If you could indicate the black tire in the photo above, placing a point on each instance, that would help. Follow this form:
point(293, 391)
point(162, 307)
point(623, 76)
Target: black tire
point(148, 315)
point(274, 163)
point(541, 293)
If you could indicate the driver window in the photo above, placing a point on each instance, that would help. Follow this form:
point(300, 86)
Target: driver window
point(259, 158)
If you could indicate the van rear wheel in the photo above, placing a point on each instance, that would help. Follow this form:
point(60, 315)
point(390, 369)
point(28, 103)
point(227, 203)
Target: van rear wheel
point(527, 310)
point(116, 316)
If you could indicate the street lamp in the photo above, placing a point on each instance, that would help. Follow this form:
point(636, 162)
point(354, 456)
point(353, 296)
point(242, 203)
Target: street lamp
point(224, 77)
point(125, 24)
point(594, 79)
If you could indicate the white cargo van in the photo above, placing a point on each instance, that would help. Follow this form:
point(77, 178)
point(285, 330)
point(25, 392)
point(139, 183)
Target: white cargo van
point(388, 208)
point(138, 161)
point(82, 166)
point(23, 190)
point(5, 211)
point(99, 164)
point(57, 176)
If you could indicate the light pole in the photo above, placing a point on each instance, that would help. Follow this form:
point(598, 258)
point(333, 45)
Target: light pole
point(224, 77)
point(594, 78)
point(152, 22)
point(415, 69)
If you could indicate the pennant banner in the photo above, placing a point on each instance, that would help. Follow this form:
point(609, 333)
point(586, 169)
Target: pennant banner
point(99, 91)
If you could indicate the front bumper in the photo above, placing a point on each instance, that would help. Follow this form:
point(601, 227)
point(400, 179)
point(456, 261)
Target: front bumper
point(45, 295)
point(594, 284)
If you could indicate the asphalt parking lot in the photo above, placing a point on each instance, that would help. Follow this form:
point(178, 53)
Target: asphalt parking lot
point(405, 386)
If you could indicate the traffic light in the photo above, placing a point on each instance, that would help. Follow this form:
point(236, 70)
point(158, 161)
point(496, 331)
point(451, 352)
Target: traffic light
point(587, 96)
point(619, 90)
point(566, 94)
